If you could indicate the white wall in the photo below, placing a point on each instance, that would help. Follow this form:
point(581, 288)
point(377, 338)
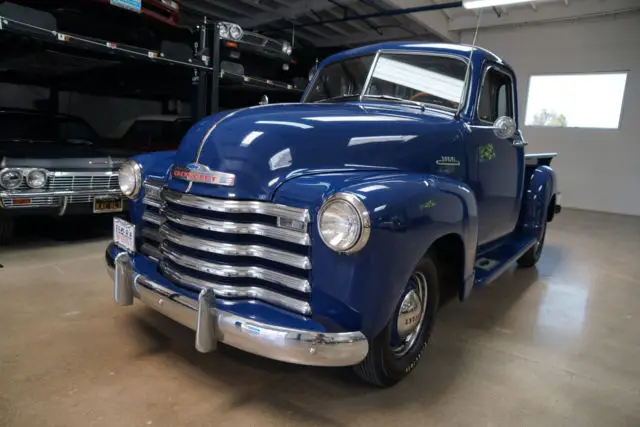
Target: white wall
point(597, 169)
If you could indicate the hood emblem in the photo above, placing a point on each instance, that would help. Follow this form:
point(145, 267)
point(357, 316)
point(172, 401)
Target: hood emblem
point(195, 172)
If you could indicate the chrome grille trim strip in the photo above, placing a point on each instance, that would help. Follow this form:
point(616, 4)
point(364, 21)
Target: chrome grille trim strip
point(295, 283)
point(235, 206)
point(237, 228)
point(152, 234)
point(152, 202)
point(248, 292)
point(152, 218)
point(222, 248)
point(151, 251)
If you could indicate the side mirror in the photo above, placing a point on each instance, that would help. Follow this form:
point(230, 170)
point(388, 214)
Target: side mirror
point(504, 127)
point(264, 100)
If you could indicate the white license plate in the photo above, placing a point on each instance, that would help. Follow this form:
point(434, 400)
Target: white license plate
point(134, 5)
point(124, 234)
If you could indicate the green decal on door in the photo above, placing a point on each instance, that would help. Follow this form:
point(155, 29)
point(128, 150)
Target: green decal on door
point(487, 153)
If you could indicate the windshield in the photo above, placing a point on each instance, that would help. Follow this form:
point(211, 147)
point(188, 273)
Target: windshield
point(401, 77)
point(43, 128)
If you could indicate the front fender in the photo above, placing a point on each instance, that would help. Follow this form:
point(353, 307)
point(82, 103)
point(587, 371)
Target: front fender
point(408, 213)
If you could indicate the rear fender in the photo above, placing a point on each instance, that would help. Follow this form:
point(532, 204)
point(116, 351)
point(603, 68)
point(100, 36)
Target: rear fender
point(541, 186)
point(408, 213)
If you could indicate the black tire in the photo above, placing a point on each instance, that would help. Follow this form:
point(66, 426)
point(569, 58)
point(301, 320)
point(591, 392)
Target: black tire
point(382, 367)
point(531, 257)
point(6, 230)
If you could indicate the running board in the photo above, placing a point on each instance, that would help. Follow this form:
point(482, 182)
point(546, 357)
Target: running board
point(490, 265)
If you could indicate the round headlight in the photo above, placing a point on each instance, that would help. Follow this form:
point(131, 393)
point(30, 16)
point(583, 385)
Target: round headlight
point(286, 48)
point(235, 31)
point(37, 178)
point(223, 31)
point(130, 178)
point(343, 223)
point(11, 178)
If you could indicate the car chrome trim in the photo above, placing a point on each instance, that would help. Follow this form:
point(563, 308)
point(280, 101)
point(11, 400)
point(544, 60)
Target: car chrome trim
point(235, 206)
point(152, 202)
point(229, 291)
point(222, 248)
point(296, 283)
point(31, 193)
point(151, 234)
point(152, 218)
point(254, 229)
point(212, 325)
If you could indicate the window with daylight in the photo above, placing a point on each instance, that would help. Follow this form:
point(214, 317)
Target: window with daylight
point(576, 100)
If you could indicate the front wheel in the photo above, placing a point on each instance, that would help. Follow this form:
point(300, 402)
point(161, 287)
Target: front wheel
point(398, 348)
point(531, 257)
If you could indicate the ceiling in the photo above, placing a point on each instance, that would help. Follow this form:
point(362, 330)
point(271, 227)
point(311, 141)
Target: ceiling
point(284, 18)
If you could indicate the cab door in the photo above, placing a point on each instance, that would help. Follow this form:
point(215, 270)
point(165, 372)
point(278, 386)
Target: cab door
point(499, 162)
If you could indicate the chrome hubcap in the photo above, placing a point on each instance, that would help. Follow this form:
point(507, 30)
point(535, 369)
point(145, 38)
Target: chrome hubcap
point(411, 313)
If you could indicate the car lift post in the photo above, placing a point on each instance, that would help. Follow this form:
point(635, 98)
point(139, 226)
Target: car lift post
point(216, 75)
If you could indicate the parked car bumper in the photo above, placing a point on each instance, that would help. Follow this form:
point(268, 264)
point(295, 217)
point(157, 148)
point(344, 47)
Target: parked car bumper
point(54, 203)
point(213, 324)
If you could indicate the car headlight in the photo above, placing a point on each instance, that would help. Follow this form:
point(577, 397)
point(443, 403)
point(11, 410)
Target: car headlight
point(37, 178)
point(343, 223)
point(11, 178)
point(130, 178)
point(286, 48)
point(235, 31)
point(223, 31)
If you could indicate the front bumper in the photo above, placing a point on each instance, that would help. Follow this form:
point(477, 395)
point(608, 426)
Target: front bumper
point(54, 202)
point(213, 325)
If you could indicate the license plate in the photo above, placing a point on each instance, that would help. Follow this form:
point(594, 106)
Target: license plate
point(124, 234)
point(134, 5)
point(107, 204)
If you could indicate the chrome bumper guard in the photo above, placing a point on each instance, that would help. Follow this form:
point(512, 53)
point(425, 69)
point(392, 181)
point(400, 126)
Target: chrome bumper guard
point(213, 325)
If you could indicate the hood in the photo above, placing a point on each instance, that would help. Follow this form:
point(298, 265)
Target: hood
point(264, 146)
point(52, 155)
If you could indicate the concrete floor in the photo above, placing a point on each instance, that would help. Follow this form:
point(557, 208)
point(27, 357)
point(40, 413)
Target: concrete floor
point(556, 345)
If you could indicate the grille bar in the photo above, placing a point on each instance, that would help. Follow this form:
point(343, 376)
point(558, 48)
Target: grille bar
point(237, 228)
point(222, 248)
point(254, 272)
point(227, 291)
point(236, 206)
point(152, 218)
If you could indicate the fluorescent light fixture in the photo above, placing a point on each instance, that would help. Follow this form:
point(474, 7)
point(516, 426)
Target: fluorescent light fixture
point(477, 4)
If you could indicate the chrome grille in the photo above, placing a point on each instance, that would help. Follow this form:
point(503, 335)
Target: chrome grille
point(234, 247)
point(66, 181)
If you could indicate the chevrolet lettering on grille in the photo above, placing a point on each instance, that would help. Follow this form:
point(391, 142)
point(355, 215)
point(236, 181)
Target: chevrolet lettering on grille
point(195, 172)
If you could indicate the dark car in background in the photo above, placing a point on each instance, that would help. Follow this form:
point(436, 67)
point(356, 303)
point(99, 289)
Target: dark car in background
point(150, 133)
point(53, 165)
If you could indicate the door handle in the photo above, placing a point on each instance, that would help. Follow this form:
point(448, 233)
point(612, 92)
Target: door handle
point(519, 143)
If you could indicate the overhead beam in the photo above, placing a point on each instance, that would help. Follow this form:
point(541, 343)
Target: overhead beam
point(547, 12)
point(371, 37)
point(435, 21)
point(292, 11)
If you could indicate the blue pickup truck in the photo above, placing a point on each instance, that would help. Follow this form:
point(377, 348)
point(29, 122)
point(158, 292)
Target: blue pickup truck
point(328, 232)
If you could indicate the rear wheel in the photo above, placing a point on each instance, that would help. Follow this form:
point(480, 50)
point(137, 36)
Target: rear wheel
point(531, 257)
point(398, 348)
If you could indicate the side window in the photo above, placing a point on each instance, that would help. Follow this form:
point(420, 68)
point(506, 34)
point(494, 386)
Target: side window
point(496, 97)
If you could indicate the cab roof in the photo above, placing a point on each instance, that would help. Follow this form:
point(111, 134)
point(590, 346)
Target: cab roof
point(461, 50)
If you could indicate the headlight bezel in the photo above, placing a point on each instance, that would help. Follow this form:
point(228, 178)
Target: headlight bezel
point(225, 30)
point(136, 169)
point(287, 49)
point(27, 175)
point(360, 209)
point(15, 170)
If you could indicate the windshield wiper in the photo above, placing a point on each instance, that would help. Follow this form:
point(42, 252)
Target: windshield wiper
point(338, 97)
point(397, 98)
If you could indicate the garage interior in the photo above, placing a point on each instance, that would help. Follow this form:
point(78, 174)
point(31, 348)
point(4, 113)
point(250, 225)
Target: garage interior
point(557, 344)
